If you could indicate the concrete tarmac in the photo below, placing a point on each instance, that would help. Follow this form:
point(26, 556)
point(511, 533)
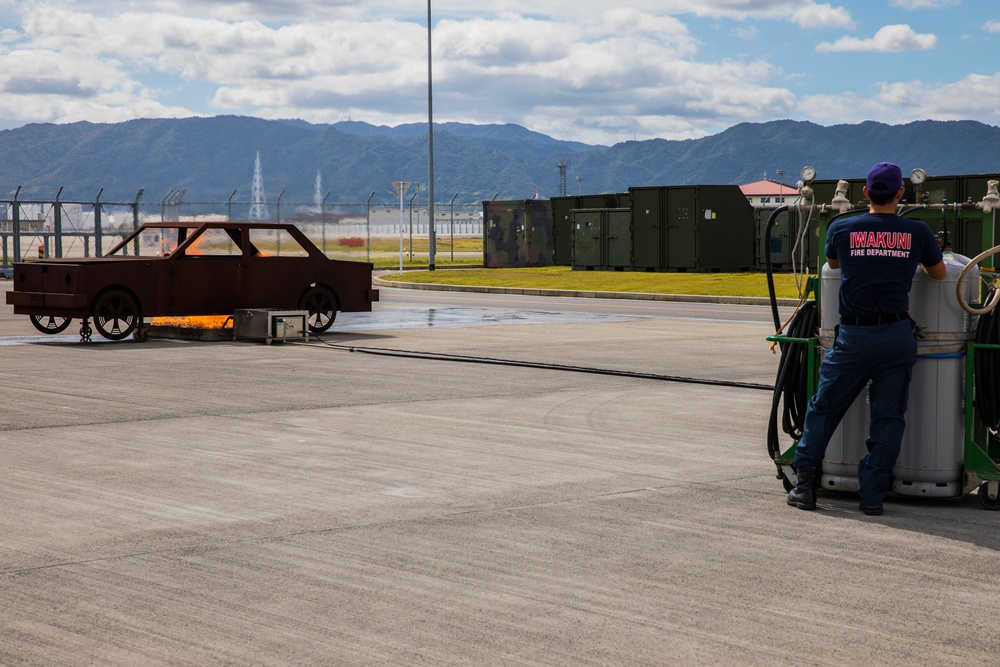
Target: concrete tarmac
point(187, 503)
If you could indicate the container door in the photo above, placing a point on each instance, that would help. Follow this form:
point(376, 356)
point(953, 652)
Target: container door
point(618, 223)
point(587, 238)
point(647, 218)
point(562, 224)
point(681, 228)
point(540, 247)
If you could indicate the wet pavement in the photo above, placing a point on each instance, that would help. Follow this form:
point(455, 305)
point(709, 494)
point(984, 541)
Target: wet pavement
point(187, 503)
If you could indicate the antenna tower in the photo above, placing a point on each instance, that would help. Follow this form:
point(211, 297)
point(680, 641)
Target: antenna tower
point(562, 179)
point(258, 205)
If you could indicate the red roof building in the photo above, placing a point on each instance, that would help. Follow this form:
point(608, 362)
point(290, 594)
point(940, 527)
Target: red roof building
point(768, 193)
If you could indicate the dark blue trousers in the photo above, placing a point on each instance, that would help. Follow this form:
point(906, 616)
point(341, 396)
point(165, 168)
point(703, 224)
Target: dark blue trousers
point(883, 355)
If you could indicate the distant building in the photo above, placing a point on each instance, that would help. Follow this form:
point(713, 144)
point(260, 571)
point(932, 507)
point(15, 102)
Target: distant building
point(768, 193)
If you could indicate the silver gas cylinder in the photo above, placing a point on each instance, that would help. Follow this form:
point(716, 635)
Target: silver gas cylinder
point(931, 459)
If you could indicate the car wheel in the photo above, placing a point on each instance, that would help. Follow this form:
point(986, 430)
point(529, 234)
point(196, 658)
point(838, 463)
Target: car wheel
point(116, 315)
point(49, 324)
point(322, 307)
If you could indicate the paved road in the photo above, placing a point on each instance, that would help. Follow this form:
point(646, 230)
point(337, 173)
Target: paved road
point(181, 503)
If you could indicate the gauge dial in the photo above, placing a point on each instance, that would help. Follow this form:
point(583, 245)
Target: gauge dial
point(807, 174)
point(918, 176)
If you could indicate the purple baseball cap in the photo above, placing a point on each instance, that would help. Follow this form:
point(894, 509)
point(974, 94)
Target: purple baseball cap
point(885, 178)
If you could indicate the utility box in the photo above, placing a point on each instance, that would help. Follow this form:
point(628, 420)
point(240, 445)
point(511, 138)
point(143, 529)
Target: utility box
point(563, 225)
point(271, 325)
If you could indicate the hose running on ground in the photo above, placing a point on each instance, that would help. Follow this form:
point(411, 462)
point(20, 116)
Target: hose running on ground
point(440, 356)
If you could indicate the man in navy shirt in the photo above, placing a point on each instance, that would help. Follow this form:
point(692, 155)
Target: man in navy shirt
point(877, 254)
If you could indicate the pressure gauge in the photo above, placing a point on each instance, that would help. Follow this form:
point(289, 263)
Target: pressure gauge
point(808, 174)
point(918, 176)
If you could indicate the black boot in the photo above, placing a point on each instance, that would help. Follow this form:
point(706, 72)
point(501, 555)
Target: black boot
point(803, 495)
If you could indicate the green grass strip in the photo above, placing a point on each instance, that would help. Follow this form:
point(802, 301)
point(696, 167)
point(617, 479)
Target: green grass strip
point(564, 278)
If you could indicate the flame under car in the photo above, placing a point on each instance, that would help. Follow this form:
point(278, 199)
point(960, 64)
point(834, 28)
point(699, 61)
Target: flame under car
point(191, 269)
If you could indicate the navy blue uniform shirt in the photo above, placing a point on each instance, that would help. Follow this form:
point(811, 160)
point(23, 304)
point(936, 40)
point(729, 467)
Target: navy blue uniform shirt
point(878, 254)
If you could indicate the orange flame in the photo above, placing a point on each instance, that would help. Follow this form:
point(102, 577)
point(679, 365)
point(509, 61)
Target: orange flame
point(195, 322)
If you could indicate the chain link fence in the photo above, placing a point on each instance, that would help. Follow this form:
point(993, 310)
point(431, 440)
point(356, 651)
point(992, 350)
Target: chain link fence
point(367, 231)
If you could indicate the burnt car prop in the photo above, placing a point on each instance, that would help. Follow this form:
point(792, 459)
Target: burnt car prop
point(181, 269)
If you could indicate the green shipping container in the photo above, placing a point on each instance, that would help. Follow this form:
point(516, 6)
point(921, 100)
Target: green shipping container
point(518, 233)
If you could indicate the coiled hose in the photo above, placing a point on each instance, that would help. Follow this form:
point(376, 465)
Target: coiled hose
point(790, 395)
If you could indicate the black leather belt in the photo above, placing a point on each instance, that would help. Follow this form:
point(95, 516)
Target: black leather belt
point(873, 320)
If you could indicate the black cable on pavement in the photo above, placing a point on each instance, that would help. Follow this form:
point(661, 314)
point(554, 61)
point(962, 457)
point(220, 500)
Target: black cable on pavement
point(440, 356)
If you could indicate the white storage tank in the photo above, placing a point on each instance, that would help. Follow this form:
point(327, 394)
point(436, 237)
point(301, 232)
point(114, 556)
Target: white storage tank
point(847, 445)
point(931, 459)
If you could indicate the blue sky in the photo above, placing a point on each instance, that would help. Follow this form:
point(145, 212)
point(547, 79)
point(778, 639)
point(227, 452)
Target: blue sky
point(585, 70)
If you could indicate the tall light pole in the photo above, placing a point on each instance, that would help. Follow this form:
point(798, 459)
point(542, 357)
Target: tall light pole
point(780, 173)
point(430, 144)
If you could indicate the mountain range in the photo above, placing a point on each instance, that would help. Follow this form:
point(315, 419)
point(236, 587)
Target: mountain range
point(212, 157)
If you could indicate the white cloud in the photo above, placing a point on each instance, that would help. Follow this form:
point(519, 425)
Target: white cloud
point(841, 108)
point(992, 26)
point(608, 75)
point(823, 16)
point(890, 38)
point(805, 13)
point(924, 4)
point(975, 96)
point(575, 69)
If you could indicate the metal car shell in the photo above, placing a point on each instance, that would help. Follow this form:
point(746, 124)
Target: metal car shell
point(188, 277)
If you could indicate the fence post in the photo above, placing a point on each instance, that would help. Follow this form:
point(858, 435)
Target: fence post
point(57, 224)
point(135, 220)
point(322, 217)
point(453, 226)
point(15, 217)
point(411, 219)
point(368, 226)
point(97, 224)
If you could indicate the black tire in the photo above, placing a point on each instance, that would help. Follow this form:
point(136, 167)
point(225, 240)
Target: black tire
point(116, 315)
point(322, 307)
point(50, 324)
point(985, 500)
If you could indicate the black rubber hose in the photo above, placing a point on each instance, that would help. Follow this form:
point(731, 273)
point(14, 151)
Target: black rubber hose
point(790, 396)
point(441, 356)
point(768, 269)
